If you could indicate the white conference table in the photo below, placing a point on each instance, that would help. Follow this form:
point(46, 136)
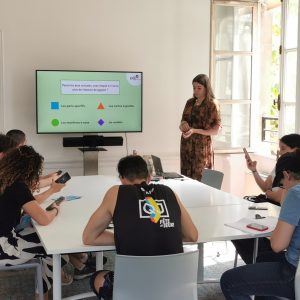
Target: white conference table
point(209, 208)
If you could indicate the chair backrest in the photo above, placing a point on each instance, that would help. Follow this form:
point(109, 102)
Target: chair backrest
point(212, 178)
point(297, 283)
point(165, 277)
point(34, 263)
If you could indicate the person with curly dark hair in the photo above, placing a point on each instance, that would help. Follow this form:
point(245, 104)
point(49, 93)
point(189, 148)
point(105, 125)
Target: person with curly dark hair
point(16, 138)
point(19, 137)
point(20, 169)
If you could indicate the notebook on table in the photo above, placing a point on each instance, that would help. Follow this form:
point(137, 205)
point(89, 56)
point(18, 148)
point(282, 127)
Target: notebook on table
point(157, 166)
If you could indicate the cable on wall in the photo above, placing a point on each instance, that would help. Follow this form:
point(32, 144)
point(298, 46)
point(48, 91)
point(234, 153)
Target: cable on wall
point(126, 144)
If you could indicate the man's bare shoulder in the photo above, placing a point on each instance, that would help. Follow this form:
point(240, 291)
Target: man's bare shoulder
point(110, 198)
point(111, 193)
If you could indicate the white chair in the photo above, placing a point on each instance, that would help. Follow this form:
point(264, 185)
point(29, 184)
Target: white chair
point(212, 178)
point(35, 263)
point(165, 277)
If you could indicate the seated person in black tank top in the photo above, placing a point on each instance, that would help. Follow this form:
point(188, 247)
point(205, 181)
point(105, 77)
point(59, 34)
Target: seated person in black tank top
point(149, 219)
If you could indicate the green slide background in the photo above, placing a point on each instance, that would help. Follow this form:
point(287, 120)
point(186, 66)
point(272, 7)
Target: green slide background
point(117, 118)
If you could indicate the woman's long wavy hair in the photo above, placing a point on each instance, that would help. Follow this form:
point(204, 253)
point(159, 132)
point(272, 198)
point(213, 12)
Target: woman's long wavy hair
point(23, 164)
point(204, 80)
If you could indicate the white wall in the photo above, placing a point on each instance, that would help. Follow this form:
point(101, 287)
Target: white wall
point(168, 40)
point(238, 180)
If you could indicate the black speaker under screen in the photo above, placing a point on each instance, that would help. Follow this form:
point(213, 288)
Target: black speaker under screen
point(92, 141)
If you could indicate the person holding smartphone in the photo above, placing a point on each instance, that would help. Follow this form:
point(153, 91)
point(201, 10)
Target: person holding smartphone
point(19, 137)
point(288, 143)
point(19, 178)
point(274, 273)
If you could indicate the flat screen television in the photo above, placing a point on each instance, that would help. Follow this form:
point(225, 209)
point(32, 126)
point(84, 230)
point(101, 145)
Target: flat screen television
point(88, 101)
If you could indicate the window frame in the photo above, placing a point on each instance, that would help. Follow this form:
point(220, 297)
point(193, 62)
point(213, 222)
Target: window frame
point(284, 102)
point(253, 126)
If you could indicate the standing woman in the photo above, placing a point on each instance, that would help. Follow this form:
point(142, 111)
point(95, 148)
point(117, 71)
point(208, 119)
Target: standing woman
point(19, 176)
point(200, 119)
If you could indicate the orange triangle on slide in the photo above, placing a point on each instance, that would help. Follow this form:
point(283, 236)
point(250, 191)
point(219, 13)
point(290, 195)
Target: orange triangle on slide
point(100, 106)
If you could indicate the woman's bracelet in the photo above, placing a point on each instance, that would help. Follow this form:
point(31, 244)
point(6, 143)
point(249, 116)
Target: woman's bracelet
point(56, 210)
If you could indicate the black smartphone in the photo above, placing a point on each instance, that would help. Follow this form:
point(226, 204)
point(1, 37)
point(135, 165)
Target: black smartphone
point(59, 172)
point(63, 178)
point(57, 202)
point(247, 154)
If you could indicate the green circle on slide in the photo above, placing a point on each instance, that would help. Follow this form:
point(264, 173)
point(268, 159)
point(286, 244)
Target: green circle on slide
point(55, 122)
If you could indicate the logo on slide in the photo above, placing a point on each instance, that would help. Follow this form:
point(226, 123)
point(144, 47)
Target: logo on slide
point(101, 122)
point(100, 106)
point(153, 209)
point(54, 105)
point(55, 122)
point(134, 78)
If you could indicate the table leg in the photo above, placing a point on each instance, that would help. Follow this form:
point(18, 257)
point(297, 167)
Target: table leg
point(99, 260)
point(201, 263)
point(56, 276)
point(255, 250)
point(200, 275)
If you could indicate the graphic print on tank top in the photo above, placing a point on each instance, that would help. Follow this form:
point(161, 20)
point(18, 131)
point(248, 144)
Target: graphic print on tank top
point(155, 210)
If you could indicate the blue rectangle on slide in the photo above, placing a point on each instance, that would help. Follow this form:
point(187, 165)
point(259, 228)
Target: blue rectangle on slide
point(54, 105)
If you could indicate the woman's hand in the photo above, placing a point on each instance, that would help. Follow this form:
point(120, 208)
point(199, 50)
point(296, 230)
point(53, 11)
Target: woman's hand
point(56, 187)
point(54, 176)
point(184, 126)
point(56, 208)
point(251, 164)
point(41, 216)
point(188, 133)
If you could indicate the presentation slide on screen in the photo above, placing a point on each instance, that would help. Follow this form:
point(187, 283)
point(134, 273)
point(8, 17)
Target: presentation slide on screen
point(78, 101)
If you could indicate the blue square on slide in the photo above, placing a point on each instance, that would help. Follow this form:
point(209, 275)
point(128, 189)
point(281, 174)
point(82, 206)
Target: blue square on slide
point(54, 105)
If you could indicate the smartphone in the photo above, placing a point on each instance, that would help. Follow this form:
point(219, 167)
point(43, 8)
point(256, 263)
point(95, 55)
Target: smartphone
point(247, 154)
point(57, 202)
point(258, 227)
point(63, 178)
point(59, 172)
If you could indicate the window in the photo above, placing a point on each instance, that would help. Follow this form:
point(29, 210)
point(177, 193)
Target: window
point(288, 66)
point(232, 64)
point(253, 71)
point(1, 86)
